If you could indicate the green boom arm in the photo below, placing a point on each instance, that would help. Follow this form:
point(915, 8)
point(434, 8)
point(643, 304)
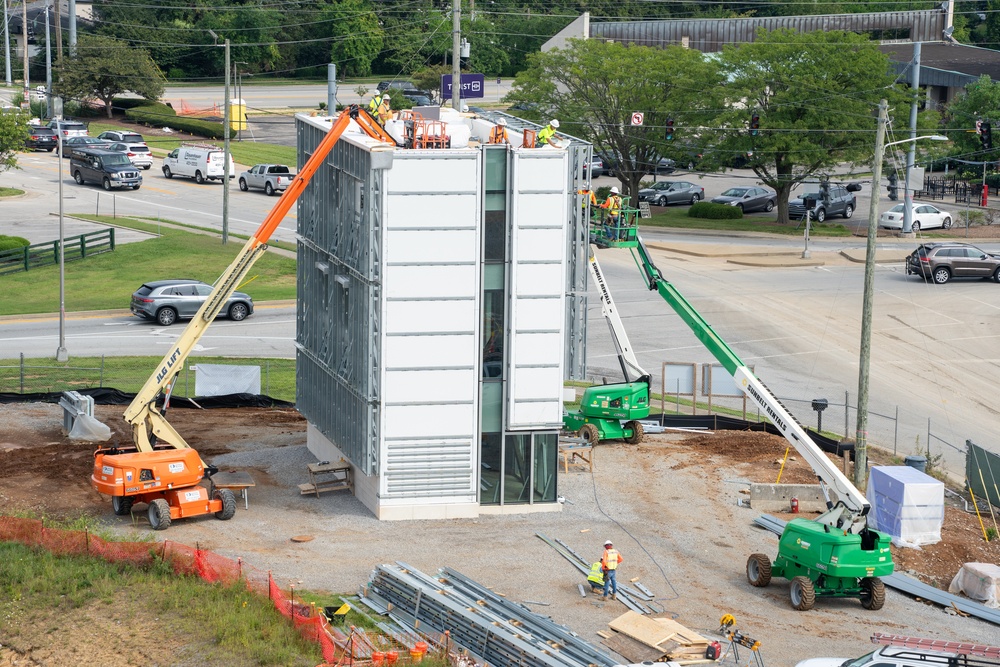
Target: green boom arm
point(850, 515)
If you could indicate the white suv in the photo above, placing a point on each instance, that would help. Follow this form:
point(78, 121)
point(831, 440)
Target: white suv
point(893, 656)
point(139, 154)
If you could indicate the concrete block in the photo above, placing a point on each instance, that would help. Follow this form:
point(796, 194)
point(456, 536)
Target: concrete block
point(778, 497)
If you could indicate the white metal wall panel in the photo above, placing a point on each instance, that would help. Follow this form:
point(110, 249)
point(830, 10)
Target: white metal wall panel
point(431, 322)
point(538, 281)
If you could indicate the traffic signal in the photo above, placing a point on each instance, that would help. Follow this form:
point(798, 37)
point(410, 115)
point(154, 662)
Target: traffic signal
point(670, 129)
point(986, 135)
point(754, 125)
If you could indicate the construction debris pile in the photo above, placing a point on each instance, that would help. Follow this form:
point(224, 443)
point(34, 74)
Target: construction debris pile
point(490, 628)
point(646, 639)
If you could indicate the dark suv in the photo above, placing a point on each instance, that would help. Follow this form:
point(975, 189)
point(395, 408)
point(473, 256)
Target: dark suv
point(840, 202)
point(943, 261)
point(41, 137)
point(110, 169)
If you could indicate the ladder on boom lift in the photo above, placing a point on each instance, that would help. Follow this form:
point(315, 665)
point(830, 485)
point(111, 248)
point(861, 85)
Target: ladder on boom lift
point(960, 648)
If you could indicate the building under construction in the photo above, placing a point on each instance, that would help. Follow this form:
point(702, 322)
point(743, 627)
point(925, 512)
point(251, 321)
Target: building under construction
point(442, 303)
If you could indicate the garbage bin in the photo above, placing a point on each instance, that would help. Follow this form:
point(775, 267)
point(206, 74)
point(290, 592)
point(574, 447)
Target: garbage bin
point(918, 462)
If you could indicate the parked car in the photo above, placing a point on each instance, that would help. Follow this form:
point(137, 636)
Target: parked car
point(595, 168)
point(662, 193)
point(895, 656)
point(404, 86)
point(419, 99)
point(122, 136)
point(659, 166)
point(139, 154)
point(941, 262)
point(271, 178)
point(167, 301)
point(74, 143)
point(68, 128)
point(747, 199)
point(924, 216)
point(41, 138)
point(110, 169)
point(840, 202)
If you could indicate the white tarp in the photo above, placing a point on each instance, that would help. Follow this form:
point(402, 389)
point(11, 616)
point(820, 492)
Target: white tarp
point(222, 379)
point(979, 581)
point(86, 427)
point(906, 504)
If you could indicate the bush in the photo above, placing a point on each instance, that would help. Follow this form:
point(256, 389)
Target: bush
point(11, 242)
point(130, 102)
point(704, 209)
point(161, 115)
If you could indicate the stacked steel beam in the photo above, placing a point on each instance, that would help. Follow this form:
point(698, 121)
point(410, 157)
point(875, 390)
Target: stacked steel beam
point(491, 629)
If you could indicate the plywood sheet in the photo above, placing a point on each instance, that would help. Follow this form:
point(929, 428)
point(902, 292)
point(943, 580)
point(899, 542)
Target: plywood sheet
point(632, 650)
point(646, 630)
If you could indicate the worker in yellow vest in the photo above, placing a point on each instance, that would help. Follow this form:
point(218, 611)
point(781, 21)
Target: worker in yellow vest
point(596, 578)
point(609, 566)
point(588, 195)
point(498, 135)
point(613, 205)
point(547, 134)
point(384, 112)
point(374, 104)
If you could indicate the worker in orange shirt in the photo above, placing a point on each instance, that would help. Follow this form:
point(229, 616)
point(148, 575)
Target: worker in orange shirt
point(609, 565)
point(613, 205)
point(588, 195)
point(498, 135)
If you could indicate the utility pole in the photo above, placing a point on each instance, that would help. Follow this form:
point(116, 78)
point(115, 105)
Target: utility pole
point(48, 66)
point(71, 11)
point(6, 46)
point(331, 89)
point(861, 435)
point(456, 58)
point(225, 150)
point(61, 353)
point(24, 51)
point(59, 33)
point(911, 155)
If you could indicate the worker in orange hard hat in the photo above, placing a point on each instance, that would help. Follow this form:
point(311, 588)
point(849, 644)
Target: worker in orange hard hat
point(609, 565)
point(498, 135)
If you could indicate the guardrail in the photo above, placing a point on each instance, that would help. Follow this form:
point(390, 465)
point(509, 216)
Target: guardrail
point(45, 254)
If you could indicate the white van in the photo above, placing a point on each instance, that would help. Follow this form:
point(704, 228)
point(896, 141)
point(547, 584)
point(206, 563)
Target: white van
point(202, 162)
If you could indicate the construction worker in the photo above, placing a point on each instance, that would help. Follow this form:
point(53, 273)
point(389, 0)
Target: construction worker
point(374, 104)
point(588, 195)
point(498, 135)
point(596, 578)
point(609, 566)
point(547, 134)
point(613, 205)
point(384, 112)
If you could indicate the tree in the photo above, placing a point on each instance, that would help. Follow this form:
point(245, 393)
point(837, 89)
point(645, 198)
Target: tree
point(13, 131)
point(105, 68)
point(815, 95)
point(595, 87)
point(981, 102)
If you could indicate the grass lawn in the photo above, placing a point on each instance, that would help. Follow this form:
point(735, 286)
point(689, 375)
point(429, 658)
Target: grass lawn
point(677, 218)
point(10, 192)
point(107, 281)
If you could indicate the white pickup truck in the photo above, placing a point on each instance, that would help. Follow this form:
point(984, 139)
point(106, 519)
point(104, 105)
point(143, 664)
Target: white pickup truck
point(271, 178)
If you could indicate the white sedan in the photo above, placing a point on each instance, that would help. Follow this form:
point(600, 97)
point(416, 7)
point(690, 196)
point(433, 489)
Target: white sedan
point(925, 216)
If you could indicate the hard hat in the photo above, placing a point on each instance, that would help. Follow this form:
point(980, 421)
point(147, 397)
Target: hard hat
point(614, 190)
point(554, 123)
point(502, 122)
point(386, 98)
point(465, 107)
point(608, 543)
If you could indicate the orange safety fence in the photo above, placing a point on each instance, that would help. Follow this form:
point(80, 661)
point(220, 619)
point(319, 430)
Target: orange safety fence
point(186, 110)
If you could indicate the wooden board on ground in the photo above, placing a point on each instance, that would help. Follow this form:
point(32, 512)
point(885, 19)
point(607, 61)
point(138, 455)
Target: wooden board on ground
point(681, 633)
point(647, 630)
point(632, 650)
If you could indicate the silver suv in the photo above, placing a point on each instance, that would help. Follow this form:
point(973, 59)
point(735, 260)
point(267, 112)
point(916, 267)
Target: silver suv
point(941, 262)
point(839, 202)
point(166, 301)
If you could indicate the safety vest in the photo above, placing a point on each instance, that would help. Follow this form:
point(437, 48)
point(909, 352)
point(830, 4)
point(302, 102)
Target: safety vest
point(611, 559)
point(596, 576)
point(384, 112)
point(613, 204)
point(545, 134)
point(587, 194)
point(375, 103)
point(498, 135)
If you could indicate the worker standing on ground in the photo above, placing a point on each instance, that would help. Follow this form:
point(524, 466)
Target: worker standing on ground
point(498, 135)
point(384, 110)
point(609, 566)
point(613, 205)
point(596, 578)
point(547, 134)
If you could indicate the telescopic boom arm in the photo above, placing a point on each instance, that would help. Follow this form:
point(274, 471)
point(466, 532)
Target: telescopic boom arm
point(626, 357)
point(148, 423)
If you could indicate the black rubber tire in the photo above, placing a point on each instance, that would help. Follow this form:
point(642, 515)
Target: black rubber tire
point(638, 433)
point(159, 514)
point(238, 311)
point(78, 177)
point(122, 505)
point(662, 201)
point(243, 185)
point(802, 593)
point(107, 184)
point(872, 593)
point(50, 149)
point(996, 275)
point(759, 570)
point(946, 223)
point(590, 433)
point(167, 173)
point(148, 167)
point(820, 215)
point(136, 187)
point(769, 206)
point(198, 178)
point(269, 189)
point(228, 499)
point(916, 226)
point(941, 275)
point(740, 206)
point(695, 199)
point(166, 316)
point(848, 212)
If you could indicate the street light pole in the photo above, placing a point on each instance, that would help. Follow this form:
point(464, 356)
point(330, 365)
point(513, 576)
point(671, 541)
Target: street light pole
point(61, 353)
point(6, 46)
point(225, 150)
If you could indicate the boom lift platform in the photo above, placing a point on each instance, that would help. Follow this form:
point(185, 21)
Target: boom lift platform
point(160, 468)
point(834, 555)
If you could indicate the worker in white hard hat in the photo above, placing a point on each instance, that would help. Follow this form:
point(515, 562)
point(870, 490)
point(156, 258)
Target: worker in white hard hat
point(613, 206)
point(384, 112)
point(609, 566)
point(547, 134)
point(374, 104)
point(498, 135)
